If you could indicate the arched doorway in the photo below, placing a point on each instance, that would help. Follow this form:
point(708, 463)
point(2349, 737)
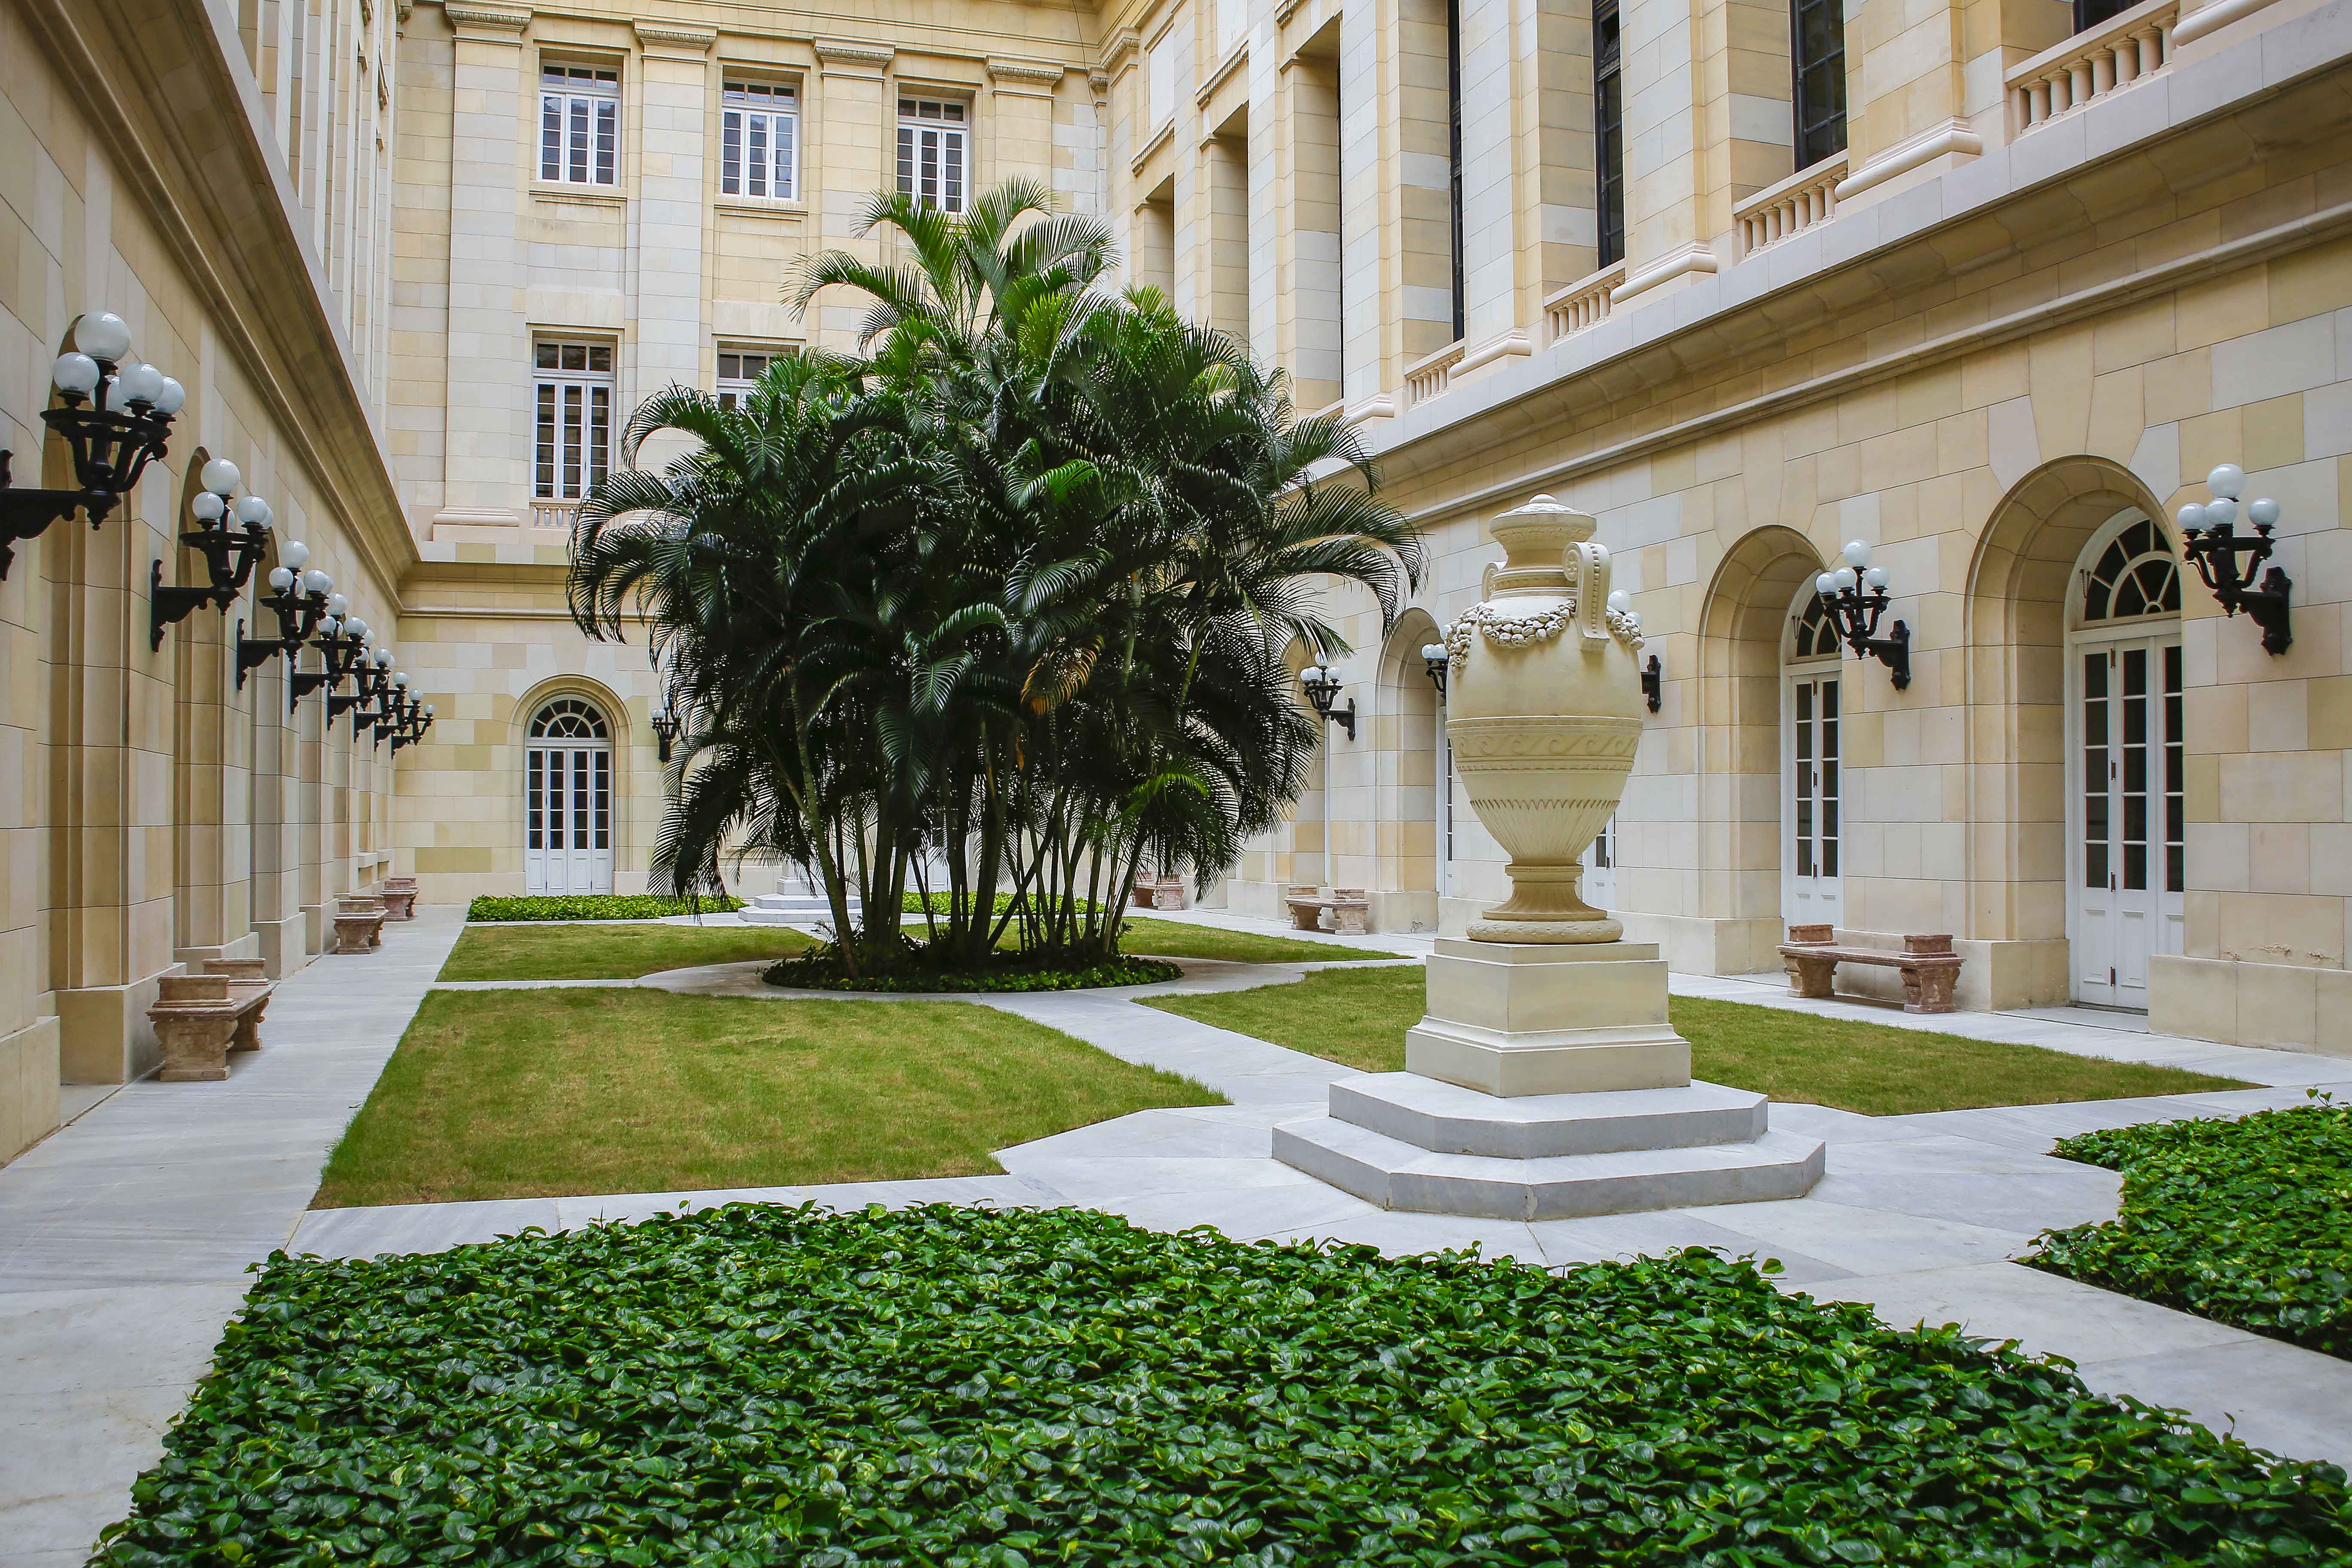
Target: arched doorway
point(1812, 768)
point(2126, 851)
point(568, 800)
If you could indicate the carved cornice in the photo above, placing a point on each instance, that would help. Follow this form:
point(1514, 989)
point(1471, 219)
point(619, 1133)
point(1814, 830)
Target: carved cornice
point(1009, 72)
point(840, 54)
point(1119, 51)
point(656, 34)
point(490, 18)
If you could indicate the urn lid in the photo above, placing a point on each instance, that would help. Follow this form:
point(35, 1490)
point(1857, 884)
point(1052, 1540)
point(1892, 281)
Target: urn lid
point(1537, 534)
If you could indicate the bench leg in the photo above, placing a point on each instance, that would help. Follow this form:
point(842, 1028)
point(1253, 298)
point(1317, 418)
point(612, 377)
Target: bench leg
point(1348, 921)
point(1930, 990)
point(1812, 977)
point(195, 1049)
point(1308, 918)
point(248, 1029)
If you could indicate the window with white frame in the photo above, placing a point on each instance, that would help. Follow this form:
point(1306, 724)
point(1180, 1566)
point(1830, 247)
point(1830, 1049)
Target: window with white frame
point(1160, 75)
point(738, 369)
point(574, 397)
point(759, 142)
point(579, 125)
point(932, 139)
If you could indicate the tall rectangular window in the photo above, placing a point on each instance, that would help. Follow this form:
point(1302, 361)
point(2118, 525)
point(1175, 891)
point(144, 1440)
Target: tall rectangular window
point(737, 372)
point(574, 395)
point(579, 125)
point(759, 142)
point(931, 152)
point(1161, 75)
point(1609, 133)
point(1818, 27)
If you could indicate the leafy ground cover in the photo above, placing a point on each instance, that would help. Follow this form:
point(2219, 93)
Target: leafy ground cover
point(755, 1385)
point(820, 969)
point(2246, 1222)
point(594, 907)
point(1358, 1017)
point(616, 953)
point(505, 1094)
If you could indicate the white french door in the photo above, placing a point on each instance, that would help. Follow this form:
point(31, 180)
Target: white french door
point(1812, 794)
point(568, 818)
point(1599, 882)
point(2126, 843)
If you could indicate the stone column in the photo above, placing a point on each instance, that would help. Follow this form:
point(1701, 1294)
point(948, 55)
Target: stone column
point(487, 441)
point(1668, 233)
point(1016, 118)
point(852, 131)
point(1309, 327)
point(671, 209)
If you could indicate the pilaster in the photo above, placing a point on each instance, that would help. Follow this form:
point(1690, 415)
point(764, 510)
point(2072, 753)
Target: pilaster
point(671, 210)
point(487, 469)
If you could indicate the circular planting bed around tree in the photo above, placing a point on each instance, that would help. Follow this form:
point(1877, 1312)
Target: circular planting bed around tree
point(754, 1385)
point(820, 971)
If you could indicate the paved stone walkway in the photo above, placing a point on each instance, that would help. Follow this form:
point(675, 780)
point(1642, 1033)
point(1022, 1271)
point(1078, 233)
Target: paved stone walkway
point(124, 1239)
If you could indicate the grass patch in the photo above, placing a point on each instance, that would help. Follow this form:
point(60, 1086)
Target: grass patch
point(2243, 1222)
point(622, 952)
point(594, 907)
point(1358, 1018)
point(1174, 939)
point(510, 1094)
point(941, 1385)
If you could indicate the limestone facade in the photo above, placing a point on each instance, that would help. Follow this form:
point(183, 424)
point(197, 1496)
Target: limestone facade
point(2039, 270)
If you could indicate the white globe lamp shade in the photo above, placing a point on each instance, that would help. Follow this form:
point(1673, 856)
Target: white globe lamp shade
point(332, 627)
point(2191, 517)
point(221, 476)
point(1857, 553)
point(140, 382)
point(1433, 650)
point(75, 373)
point(338, 607)
point(171, 398)
point(2262, 513)
point(1876, 578)
point(1621, 601)
point(2226, 480)
point(1825, 585)
point(317, 583)
point(358, 628)
point(102, 334)
point(399, 680)
point(1844, 577)
point(253, 511)
point(428, 710)
point(294, 553)
point(384, 659)
point(2220, 512)
point(280, 579)
point(208, 507)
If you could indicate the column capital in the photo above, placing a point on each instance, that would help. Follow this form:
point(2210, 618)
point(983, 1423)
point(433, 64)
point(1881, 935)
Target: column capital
point(487, 23)
point(1039, 77)
point(662, 40)
point(846, 57)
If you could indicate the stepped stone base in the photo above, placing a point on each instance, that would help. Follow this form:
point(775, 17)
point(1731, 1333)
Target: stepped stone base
point(795, 904)
point(1547, 1083)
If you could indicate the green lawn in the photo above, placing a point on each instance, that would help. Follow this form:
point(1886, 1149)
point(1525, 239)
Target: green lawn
point(609, 953)
point(506, 1094)
point(1359, 1018)
point(1173, 939)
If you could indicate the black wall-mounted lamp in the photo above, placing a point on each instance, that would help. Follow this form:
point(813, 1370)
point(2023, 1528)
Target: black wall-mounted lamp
point(666, 725)
point(1434, 662)
point(371, 678)
point(1322, 684)
point(1855, 612)
point(124, 428)
point(420, 718)
point(1653, 684)
point(230, 553)
point(2209, 536)
point(299, 594)
point(343, 644)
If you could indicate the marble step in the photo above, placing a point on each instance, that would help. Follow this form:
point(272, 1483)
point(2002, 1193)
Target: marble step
point(793, 908)
point(1400, 1175)
point(1447, 1119)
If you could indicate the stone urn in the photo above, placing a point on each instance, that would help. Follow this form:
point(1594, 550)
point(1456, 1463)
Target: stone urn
point(1543, 712)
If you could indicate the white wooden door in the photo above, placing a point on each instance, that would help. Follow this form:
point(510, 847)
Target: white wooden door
point(568, 818)
point(1812, 799)
point(1600, 886)
point(2127, 871)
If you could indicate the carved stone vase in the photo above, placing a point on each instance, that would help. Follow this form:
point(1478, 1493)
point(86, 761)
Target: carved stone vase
point(1544, 712)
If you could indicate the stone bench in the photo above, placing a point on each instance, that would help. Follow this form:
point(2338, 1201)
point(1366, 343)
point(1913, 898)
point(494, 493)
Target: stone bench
point(1929, 967)
point(399, 898)
point(359, 922)
point(198, 1018)
point(248, 980)
point(1348, 907)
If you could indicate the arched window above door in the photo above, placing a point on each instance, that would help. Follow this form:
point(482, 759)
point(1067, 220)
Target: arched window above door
point(2137, 574)
point(568, 719)
point(1817, 634)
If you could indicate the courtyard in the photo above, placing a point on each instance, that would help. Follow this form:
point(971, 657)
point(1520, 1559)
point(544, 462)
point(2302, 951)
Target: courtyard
point(116, 1301)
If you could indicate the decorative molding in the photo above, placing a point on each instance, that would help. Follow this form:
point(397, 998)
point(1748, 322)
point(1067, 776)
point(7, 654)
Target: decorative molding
point(1379, 406)
point(2212, 18)
point(774, 212)
point(1695, 257)
point(1004, 69)
point(835, 54)
point(1119, 51)
point(1158, 140)
point(656, 34)
point(1951, 136)
point(1502, 345)
point(1284, 11)
point(1225, 67)
point(488, 17)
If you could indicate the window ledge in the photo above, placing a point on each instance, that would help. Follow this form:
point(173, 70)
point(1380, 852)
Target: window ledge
point(586, 196)
point(752, 207)
point(1233, 57)
point(1167, 133)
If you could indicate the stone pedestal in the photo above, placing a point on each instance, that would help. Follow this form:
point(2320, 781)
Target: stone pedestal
point(1496, 1011)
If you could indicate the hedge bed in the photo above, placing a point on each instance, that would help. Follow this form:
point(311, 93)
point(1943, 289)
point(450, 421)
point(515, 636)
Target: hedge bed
point(2246, 1222)
point(594, 907)
point(950, 1386)
point(820, 971)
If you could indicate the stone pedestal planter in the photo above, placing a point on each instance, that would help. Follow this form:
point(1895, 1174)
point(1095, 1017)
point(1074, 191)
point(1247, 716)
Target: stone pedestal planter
point(359, 922)
point(194, 1021)
point(1545, 1081)
point(400, 898)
